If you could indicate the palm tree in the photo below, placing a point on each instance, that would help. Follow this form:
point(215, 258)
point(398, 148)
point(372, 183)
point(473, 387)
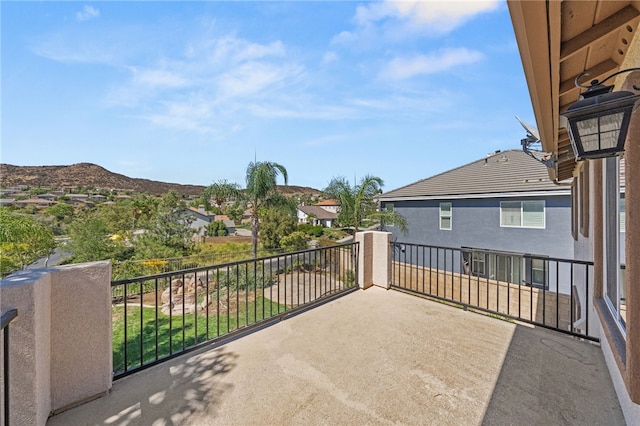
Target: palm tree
point(220, 191)
point(262, 192)
point(357, 202)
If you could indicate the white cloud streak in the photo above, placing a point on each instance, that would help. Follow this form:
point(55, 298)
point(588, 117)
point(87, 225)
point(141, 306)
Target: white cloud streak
point(395, 20)
point(87, 13)
point(401, 68)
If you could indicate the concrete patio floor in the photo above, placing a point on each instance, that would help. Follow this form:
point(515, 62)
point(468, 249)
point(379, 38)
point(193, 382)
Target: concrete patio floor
point(371, 357)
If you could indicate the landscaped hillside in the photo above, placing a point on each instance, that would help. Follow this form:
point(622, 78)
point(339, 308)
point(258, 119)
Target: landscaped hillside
point(92, 175)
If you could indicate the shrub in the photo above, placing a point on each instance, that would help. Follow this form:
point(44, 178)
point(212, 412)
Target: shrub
point(311, 230)
point(294, 241)
point(217, 228)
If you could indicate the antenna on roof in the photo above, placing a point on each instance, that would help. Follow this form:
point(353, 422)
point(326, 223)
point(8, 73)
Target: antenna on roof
point(533, 138)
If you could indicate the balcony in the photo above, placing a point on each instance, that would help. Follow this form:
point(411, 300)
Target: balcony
point(373, 356)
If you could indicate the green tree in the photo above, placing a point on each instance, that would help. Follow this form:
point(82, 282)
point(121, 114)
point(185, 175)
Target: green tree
point(357, 202)
point(22, 241)
point(59, 215)
point(276, 224)
point(60, 211)
point(235, 211)
point(262, 191)
point(169, 232)
point(89, 240)
point(117, 216)
point(220, 192)
point(143, 206)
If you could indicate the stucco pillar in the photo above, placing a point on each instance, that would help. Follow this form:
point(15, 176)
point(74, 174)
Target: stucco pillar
point(61, 341)
point(30, 346)
point(81, 334)
point(632, 243)
point(374, 259)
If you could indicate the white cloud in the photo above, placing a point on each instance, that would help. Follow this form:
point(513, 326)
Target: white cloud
point(396, 19)
point(329, 57)
point(87, 13)
point(188, 115)
point(406, 67)
point(253, 77)
point(250, 51)
point(441, 15)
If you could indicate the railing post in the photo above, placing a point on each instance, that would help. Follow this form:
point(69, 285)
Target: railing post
point(374, 259)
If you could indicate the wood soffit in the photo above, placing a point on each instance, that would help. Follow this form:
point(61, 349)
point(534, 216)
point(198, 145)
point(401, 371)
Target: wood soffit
point(559, 41)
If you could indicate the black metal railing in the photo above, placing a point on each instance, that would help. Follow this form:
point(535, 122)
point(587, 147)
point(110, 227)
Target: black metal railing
point(136, 268)
point(160, 316)
point(540, 290)
point(6, 318)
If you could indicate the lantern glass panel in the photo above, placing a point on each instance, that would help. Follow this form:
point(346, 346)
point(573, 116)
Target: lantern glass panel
point(611, 122)
point(587, 127)
point(609, 140)
point(590, 142)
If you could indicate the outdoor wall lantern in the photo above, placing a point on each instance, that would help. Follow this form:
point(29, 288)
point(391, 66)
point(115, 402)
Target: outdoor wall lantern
point(599, 120)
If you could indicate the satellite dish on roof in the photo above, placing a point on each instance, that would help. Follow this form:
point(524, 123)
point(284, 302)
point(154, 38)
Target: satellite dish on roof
point(532, 132)
point(533, 138)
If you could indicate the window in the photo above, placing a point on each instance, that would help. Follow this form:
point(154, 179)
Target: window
point(478, 264)
point(388, 207)
point(538, 273)
point(613, 209)
point(575, 202)
point(445, 216)
point(522, 214)
point(623, 210)
point(514, 268)
point(584, 199)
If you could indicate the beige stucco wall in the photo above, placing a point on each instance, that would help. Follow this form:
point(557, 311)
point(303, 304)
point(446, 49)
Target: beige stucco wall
point(374, 259)
point(60, 348)
point(81, 353)
point(29, 355)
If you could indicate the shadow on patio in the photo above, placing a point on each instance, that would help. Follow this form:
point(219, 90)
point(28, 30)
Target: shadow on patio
point(371, 357)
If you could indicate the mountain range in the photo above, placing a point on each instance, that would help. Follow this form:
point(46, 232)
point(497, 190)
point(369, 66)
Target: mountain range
point(92, 175)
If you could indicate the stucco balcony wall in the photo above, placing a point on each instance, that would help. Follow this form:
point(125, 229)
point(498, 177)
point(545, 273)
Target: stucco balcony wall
point(60, 349)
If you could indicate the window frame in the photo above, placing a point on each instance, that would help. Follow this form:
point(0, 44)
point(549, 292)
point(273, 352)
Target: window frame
point(522, 212)
point(583, 183)
point(442, 216)
point(612, 274)
point(389, 207)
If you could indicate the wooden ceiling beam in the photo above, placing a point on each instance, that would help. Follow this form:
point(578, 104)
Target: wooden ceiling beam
point(596, 72)
point(598, 31)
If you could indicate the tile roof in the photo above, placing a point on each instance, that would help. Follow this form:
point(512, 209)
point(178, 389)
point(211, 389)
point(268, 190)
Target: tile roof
point(502, 172)
point(318, 212)
point(328, 203)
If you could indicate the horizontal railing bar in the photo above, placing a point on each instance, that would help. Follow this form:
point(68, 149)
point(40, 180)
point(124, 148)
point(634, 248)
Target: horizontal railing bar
point(467, 306)
point(506, 253)
point(224, 265)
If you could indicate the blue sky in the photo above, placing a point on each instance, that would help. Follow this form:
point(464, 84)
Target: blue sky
point(190, 92)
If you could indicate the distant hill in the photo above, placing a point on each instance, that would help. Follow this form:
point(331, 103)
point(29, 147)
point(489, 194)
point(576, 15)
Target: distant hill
point(92, 175)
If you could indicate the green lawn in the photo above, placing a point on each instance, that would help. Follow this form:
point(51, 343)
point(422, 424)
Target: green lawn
point(174, 335)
